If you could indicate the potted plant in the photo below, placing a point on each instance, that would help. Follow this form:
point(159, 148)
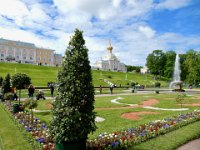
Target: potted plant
point(73, 115)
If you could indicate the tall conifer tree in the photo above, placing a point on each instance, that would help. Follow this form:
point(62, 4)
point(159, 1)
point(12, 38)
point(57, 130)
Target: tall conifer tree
point(6, 87)
point(73, 115)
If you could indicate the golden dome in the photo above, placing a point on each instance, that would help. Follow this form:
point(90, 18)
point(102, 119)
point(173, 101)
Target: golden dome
point(110, 48)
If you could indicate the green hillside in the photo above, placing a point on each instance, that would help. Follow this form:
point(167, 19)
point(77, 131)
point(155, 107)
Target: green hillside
point(40, 75)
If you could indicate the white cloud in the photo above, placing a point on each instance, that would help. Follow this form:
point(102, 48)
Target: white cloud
point(147, 31)
point(172, 4)
point(13, 8)
point(116, 3)
point(37, 14)
point(122, 21)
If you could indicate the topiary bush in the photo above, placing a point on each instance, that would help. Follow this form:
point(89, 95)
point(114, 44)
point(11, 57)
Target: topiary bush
point(73, 115)
point(20, 81)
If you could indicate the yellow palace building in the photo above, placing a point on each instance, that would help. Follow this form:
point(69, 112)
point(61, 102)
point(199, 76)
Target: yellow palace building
point(23, 52)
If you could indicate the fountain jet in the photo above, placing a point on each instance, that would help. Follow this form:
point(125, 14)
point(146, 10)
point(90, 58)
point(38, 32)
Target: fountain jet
point(176, 84)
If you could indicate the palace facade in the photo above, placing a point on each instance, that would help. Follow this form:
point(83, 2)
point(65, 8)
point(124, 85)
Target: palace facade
point(24, 52)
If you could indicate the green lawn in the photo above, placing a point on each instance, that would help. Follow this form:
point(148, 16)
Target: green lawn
point(40, 75)
point(114, 121)
point(10, 136)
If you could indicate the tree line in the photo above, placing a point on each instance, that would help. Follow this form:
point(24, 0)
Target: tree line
point(161, 64)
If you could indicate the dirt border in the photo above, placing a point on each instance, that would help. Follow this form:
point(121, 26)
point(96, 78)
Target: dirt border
point(136, 115)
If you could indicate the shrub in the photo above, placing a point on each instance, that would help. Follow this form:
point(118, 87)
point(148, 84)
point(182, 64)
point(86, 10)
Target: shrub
point(73, 116)
point(8, 96)
point(1, 81)
point(30, 104)
point(6, 85)
point(157, 84)
point(109, 76)
point(133, 84)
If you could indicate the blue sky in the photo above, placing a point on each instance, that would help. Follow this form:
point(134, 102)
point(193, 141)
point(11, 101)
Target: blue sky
point(135, 27)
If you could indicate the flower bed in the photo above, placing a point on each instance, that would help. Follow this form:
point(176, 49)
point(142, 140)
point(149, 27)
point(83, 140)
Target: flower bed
point(123, 139)
point(35, 132)
point(39, 132)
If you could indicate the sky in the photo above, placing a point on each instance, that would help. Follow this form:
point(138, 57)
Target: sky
point(135, 27)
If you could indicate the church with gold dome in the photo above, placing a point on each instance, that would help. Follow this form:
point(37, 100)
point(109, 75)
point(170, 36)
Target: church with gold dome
point(110, 62)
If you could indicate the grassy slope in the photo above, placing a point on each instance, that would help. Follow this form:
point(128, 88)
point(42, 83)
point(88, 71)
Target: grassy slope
point(40, 75)
point(10, 134)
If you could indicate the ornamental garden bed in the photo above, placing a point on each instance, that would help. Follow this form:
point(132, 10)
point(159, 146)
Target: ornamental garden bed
point(132, 136)
point(34, 131)
point(41, 139)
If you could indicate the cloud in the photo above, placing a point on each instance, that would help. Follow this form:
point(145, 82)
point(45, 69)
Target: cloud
point(125, 22)
point(172, 4)
point(147, 31)
point(13, 8)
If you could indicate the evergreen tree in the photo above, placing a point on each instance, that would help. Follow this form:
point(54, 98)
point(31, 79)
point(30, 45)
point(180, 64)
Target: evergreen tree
point(73, 115)
point(6, 85)
point(1, 81)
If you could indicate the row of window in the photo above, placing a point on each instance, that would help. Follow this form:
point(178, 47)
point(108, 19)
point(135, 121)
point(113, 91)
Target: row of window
point(17, 50)
point(25, 57)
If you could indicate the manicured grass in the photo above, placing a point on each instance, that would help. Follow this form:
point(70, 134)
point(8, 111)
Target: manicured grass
point(40, 75)
point(44, 104)
point(45, 117)
point(171, 140)
point(114, 121)
point(12, 138)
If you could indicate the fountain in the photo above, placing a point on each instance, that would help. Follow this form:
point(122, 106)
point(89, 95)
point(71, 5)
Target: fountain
point(176, 84)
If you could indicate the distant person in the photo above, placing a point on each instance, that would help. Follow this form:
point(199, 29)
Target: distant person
point(14, 92)
point(40, 95)
point(51, 89)
point(111, 89)
point(31, 91)
point(100, 89)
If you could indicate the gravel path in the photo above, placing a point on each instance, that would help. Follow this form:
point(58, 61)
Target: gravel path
point(193, 145)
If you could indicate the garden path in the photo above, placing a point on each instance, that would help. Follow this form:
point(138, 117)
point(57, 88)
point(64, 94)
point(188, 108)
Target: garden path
point(192, 145)
point(145, 104)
